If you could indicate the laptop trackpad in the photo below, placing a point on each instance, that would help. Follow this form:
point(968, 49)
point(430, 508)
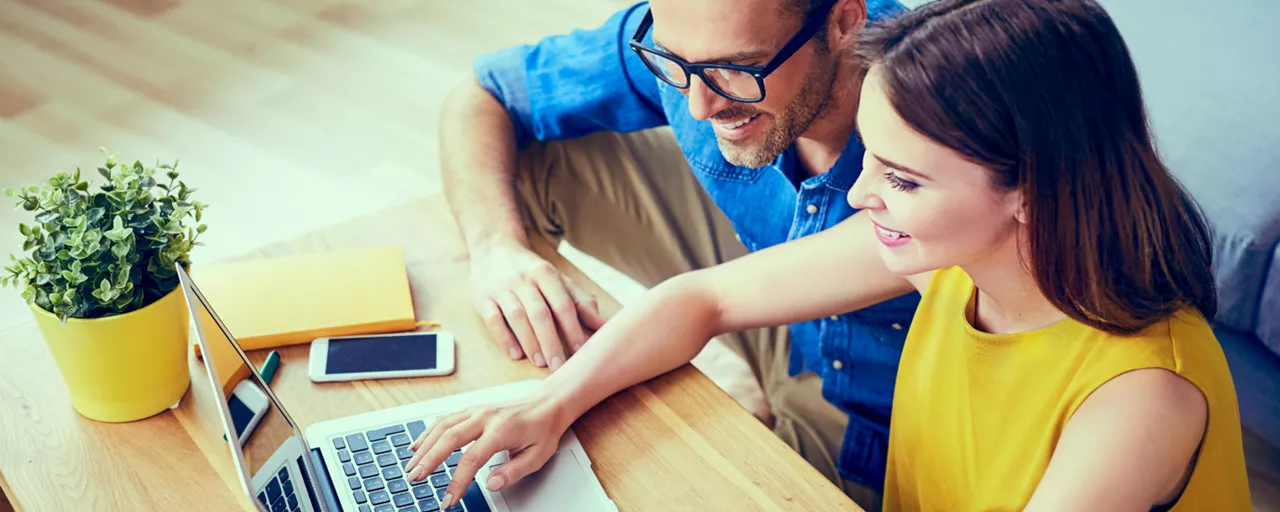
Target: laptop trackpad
point(563, 484)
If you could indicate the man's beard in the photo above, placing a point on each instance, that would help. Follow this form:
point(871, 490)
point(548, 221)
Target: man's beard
point(809, 103)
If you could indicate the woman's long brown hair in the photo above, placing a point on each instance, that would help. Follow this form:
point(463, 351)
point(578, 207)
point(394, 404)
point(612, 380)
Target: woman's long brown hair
point(1045, 94)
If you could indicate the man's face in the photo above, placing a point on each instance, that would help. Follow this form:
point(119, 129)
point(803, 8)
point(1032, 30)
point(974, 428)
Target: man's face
point(748, 32)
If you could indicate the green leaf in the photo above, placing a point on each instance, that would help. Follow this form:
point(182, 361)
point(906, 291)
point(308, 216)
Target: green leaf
point(82, 186)
point(22, 228)
point(105, 171)
point(47, 217)
point(10, 192)
point(31, 204)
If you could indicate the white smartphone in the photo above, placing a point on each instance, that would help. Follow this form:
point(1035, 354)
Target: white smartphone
point(247, 404)
point(381, 356)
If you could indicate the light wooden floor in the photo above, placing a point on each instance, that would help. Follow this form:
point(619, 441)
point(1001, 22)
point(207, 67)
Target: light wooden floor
point(288, 115)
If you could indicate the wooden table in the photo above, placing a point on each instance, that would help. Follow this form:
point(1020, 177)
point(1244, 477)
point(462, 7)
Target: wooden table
point(674, 443)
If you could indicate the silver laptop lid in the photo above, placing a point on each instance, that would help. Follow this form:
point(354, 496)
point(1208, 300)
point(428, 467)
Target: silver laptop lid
point(273, 448)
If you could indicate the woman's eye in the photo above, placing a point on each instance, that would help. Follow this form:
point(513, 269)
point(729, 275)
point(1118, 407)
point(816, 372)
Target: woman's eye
point(899, 183)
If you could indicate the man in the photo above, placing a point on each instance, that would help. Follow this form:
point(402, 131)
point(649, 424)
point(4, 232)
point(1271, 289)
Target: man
point(760, 97)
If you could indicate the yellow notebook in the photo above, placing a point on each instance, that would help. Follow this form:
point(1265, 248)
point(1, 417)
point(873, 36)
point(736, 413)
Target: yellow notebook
point(291, 300)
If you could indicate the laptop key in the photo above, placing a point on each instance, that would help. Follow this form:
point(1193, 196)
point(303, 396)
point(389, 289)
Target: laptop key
point(361, 498)
point(422, 492)
point(474, 499)
point(428, 505)
point(408, 508)
point(387, 459)
point(288, 488)
point(262, 496)
point(402, 500)
point(379, 497)
point(344, 456)
point(439, 480)
point(397, 485)
point(416, 428)
point(273, 490)
point(357, 443)
point(382, 433)
point(339, 443)
point(455, 508)
point(385, 508)
point(381, 446)
point(454, 458)
point(365, 508)
point(354, 482)
point(400, 440)
point(363, 458)
point(373, 484)
point(392, 472)
point(279, 505)
point(349, 469)
point(293, 502)
point(368, 471)
point(404, 453)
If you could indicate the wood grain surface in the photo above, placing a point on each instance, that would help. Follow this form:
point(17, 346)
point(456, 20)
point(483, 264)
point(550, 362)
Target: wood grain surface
point(674, 443)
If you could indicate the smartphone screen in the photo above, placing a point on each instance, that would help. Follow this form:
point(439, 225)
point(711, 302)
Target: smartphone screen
point(381, 354)
point(241, 415)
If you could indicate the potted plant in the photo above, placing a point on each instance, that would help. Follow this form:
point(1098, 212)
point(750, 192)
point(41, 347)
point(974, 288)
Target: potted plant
point(100, 279)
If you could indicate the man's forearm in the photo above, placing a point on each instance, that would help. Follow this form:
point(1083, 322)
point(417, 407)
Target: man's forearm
point(478, 146)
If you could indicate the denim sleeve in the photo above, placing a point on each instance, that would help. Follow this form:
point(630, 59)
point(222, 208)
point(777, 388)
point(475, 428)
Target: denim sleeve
point(570, 85)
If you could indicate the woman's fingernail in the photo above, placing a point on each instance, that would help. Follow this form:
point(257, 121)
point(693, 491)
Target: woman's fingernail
point(514, 352)
point(539, 360)
point(495, 482)
point(416, 473)
point(447, 502)
point(556, 361)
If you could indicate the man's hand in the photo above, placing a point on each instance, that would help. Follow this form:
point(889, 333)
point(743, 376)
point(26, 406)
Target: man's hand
point(523, 298)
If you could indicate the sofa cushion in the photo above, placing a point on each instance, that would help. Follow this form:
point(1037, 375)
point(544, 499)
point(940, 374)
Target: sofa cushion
point(1212, 88)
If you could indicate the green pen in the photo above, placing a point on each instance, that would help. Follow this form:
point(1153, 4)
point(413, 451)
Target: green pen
point(270, 366)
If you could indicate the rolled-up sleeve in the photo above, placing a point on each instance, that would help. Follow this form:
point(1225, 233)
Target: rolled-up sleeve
point(570, 85)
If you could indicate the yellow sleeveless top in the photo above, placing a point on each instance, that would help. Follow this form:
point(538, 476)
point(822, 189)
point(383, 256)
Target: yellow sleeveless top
point(976, 416)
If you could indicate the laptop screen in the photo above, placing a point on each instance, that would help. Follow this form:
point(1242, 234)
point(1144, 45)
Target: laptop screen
point(269, 448)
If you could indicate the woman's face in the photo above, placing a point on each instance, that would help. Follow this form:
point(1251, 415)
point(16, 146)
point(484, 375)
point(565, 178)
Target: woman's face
point(932, 207)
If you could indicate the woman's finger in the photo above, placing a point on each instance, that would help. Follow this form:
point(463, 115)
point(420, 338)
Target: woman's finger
point(520, 465)
point(432, 437)
point(472, 460)
point(452, 439)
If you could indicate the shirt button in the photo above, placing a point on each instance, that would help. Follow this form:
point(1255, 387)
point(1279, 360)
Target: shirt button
point(835, 318)
point(897, 326)
point(812, 209)
point(837, 365)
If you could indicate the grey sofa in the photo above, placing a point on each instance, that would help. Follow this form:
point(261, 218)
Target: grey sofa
point(1211, 76)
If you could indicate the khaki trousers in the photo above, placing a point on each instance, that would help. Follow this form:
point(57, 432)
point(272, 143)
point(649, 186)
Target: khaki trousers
point(631, 201)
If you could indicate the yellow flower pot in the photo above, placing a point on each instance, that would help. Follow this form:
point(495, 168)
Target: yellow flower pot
point(124, 367)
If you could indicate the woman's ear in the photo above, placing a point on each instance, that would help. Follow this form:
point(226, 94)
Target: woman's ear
point(1020, 212)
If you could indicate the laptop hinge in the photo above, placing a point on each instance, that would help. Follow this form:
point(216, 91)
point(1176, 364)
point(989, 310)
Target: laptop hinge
point(326, 491)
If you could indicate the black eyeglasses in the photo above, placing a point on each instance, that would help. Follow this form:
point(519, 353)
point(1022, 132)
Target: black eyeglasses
point(743, 84)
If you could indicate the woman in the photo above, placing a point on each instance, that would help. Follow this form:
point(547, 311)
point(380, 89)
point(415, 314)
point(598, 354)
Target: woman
point(1060, 357)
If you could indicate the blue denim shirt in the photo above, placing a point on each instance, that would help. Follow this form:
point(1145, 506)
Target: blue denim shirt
point(570, 85)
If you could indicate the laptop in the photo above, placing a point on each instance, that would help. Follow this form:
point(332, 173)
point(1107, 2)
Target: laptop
point(356, 463)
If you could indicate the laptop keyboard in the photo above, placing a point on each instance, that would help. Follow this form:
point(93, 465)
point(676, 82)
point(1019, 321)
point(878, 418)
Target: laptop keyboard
point(279, 494)
point(374, 464)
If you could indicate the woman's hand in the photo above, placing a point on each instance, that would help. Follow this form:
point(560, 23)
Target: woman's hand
point(529, 429)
